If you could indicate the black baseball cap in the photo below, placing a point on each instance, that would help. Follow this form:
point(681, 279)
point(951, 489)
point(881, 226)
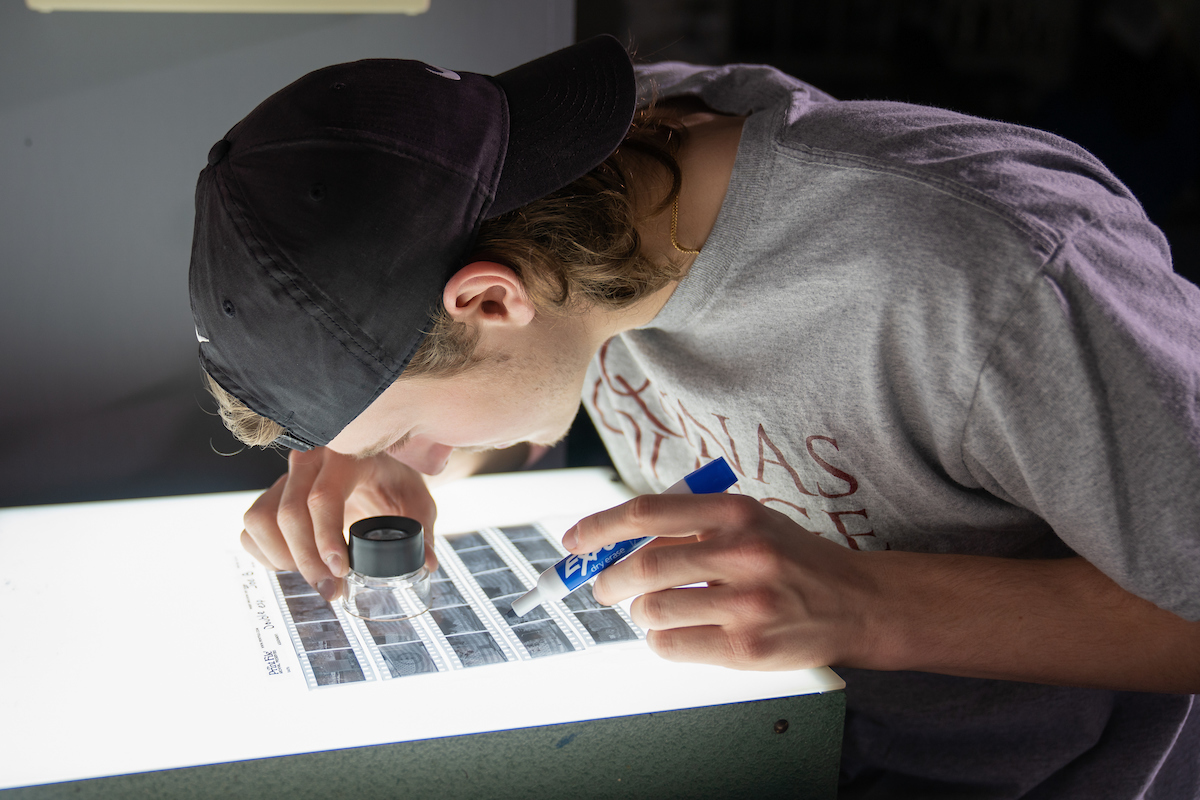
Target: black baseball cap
point(329, 220)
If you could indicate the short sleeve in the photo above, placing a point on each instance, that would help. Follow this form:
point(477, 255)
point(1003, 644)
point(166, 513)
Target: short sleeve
point(1086, 409)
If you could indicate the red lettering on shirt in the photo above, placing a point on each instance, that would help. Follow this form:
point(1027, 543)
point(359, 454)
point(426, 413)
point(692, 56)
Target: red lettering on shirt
point(599, 410)
point(851, 538)
point(769, 501)
point(832, 470)
point(619, 386)
point(728, 449)
point(657, 425)
point(779, 460)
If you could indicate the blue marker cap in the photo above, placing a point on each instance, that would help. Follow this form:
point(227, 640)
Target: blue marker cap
point(713, 478)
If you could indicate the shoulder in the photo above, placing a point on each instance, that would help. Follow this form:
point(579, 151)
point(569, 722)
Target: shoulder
point(1015, 165)
point(735, 89)
point(1048, 184)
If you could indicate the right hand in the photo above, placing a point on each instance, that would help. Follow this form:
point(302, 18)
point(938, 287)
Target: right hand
point(299, 523)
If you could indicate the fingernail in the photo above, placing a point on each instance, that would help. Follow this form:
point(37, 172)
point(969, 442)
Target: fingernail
point(327, 589)
point(334, 560)
point(570, 539)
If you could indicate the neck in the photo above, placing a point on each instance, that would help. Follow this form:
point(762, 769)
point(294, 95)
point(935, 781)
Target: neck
point(706, 162)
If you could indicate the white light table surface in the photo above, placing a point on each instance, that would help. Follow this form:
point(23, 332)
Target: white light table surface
point(132, 646)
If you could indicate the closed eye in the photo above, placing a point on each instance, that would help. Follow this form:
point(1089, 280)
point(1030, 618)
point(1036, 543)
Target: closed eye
point(384, 446)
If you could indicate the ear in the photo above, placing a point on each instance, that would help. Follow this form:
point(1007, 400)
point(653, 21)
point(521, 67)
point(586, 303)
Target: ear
point(485, 293)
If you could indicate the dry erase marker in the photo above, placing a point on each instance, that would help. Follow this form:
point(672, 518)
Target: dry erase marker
point(573, 571)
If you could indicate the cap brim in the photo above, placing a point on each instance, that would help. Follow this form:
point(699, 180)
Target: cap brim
point(568, 111)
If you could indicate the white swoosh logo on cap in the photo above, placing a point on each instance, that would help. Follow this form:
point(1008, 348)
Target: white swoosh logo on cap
point(200, 338)
point(444, 73)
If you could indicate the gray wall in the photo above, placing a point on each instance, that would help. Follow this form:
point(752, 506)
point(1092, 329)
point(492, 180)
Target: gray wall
point(105, 120)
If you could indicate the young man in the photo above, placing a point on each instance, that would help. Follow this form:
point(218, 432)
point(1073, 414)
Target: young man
point(947, 357)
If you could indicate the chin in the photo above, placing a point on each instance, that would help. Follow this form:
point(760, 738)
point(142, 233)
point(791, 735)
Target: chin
point(558, 429)
point(553, 439)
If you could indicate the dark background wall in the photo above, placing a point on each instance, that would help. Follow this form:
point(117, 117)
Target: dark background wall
point(1119, 77)
point(105, 120)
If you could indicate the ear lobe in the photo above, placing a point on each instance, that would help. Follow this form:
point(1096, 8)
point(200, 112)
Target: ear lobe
point(485, 293)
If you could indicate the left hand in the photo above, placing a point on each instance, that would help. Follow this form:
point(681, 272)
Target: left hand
point(778, 596)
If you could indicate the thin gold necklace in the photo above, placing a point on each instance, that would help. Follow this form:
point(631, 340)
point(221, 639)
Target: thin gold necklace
point(675, 230)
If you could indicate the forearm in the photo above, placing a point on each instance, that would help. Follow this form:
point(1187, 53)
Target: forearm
point(1057, 622)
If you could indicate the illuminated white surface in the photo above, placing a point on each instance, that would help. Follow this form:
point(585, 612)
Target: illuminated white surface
point(127, 648)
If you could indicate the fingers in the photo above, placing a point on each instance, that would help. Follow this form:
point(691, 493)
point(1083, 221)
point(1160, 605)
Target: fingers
point(250, 547)
point(715, 644)
point(395, 489)
point(327, 499)
point(299, 523)
point(296, 520)
point(402, 490)
point(653, 569)
point(738, 627)
point(680, 608)
point(411, 498)
point(431, 559)
point(262, 537)
point(665, 515)
point(775, 595)
point(702, 645)
point(713, 526)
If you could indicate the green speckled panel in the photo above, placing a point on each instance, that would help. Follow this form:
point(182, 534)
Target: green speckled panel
point(733, 750)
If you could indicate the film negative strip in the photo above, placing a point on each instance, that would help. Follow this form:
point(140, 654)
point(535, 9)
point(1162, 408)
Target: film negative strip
point(329, 653)
point(532, 551)
point(470, 622)
point(495, 579)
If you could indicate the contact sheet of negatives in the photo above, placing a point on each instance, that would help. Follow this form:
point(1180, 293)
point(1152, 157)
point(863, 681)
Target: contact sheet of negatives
point(211, 636)
point(470, 622)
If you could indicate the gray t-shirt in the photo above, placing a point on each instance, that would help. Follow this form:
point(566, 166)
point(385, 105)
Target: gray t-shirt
point(916, 330)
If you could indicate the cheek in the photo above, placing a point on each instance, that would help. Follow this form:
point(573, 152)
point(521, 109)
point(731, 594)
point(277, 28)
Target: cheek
point(494, 412)
point(425, 458)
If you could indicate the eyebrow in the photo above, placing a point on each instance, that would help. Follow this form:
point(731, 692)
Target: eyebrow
point(382, 445)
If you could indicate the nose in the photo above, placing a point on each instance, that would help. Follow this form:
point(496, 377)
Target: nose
point(423, 455)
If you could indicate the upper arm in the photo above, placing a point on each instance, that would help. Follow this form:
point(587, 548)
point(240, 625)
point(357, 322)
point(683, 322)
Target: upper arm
point(1087, 411)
